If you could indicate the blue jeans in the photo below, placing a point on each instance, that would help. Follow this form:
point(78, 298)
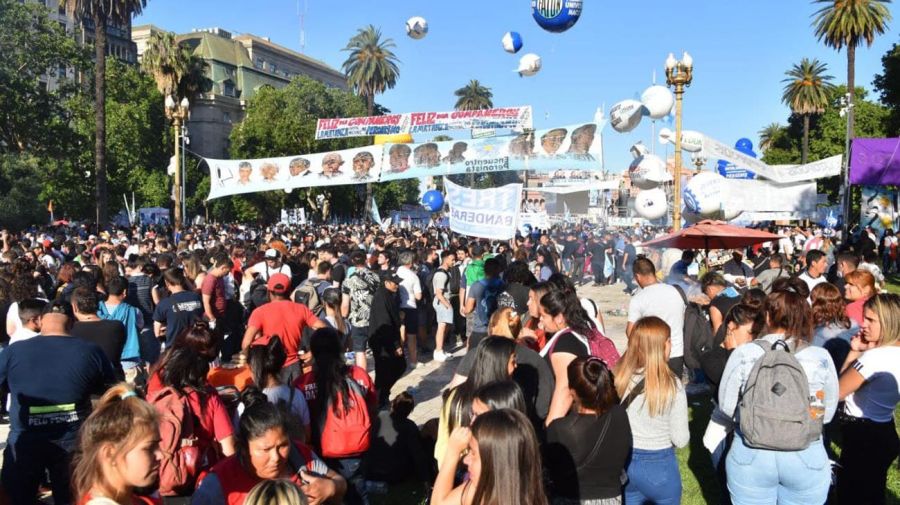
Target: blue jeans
point(351, 470)
point(758, 476)
point(653, 478)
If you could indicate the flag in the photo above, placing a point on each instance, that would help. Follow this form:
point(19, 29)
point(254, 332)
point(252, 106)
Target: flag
point(376, 216)
point(50, 207)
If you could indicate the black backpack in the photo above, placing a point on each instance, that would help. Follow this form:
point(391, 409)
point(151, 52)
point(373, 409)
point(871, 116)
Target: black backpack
point(455, 281)
point(259, 294)
point(698, 335)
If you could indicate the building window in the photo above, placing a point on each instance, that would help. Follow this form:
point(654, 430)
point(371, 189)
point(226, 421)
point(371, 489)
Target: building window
point(228, 88)
point(226, 117)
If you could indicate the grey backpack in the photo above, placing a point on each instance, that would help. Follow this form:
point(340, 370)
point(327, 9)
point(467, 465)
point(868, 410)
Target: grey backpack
point(775, 404)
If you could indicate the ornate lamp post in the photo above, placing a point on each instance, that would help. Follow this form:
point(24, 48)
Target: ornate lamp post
point(178, 113)
point(679, 75)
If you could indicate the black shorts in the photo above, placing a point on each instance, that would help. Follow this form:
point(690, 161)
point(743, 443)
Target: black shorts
point(410, 319)
point(359, 338)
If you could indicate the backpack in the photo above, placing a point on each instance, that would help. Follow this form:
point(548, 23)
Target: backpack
point(429, 283)
point(698, 335)
point(308, 294)
point(775, 409)
point(597, 345)
point(455, 281)
point(346, 434)
point(181, 460)
point(258, 293)
point(488, 302)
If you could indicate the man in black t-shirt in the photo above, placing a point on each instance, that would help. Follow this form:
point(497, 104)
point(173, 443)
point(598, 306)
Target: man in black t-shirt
point(109, 335)
point(179, 310)
point(51, 378)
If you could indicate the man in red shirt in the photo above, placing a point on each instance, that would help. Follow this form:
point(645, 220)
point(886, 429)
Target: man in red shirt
point(213, 289)
point(284, 319)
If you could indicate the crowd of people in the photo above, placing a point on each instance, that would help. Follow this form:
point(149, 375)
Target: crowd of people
point(242, 365)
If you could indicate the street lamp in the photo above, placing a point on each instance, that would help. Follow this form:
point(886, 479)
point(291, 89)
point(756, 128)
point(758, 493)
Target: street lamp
point(679, 75)
point(178, 113)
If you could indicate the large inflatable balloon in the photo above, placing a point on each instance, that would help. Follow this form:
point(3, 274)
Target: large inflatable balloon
point(705, 193)
point(556, 15)
point(529, 65)
point(416, 27)
point(730, 212)
point(651, 204)
point(512, 42)
point(691, 141)
point(658, 101)
point(433, 200)
point(625, 115)
point(745, 146)
point(648, 172)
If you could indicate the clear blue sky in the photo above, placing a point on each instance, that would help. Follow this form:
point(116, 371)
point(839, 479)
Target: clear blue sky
point(740, 49)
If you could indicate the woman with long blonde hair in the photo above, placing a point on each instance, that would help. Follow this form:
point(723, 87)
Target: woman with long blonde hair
point(118, 450)
point(657, 411)
point(505, 322)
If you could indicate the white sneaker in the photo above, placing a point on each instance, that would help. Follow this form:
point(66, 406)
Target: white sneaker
point(440, 356)
point(420, 365)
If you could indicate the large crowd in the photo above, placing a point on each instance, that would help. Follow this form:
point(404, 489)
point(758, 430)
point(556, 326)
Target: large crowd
point(251, 365)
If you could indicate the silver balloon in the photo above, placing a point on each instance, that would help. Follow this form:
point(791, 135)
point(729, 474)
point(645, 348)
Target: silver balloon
point(625, 115)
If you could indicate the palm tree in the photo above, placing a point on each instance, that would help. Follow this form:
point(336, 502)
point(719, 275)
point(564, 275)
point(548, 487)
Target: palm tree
point(195, 79)
point(806, 91)
point(101, 13)
point(473, 96)
point(165, 60)
point(371, 68)
point(769, 135)
point(850, 23)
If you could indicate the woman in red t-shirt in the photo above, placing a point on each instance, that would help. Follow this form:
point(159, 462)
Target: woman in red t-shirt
point(118, 451)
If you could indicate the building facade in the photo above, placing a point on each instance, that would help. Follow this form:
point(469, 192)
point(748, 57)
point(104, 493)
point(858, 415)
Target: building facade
point(239, 65)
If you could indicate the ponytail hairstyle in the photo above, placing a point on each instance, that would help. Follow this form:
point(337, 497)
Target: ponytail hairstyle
point(566, 302)
point(592, 384)
point(331, 297)
point(121, 419)
point(266, 361)
point(502, 395)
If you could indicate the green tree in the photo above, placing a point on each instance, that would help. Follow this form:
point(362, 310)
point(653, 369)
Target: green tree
point(806, 92)
point(166, 61)
point(887, 83)
point(849, 23)
point(473, 96)
point(99, 14)
point(20, 176)
point(371, 69)
point(769, 135)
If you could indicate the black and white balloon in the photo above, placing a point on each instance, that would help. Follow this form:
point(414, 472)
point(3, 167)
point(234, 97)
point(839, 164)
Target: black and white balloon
point(625, 115)
point(416, 27)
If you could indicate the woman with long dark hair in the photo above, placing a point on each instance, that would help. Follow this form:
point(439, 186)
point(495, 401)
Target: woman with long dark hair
point(503, 459)
point(327, 388)
point(265, 363)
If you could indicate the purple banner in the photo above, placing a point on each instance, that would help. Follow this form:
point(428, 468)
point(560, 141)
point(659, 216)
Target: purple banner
point(875, 162)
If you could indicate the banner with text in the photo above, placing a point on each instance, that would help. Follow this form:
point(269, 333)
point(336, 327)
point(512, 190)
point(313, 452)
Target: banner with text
point(517, 118)
point(485, 213)
point(350, 166)
point(570, 149)
point(827, 167)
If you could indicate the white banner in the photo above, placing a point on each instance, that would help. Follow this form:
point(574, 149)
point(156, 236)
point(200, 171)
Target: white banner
point(517, 118)
point(534, 220)
point(766, 196)
point(486, 213)
point(828, 167)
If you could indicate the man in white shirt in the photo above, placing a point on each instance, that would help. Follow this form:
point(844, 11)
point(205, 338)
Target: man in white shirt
point(660, 300)
point(271, 266)
point(30, 315)
point(410, 291)
point(816, 266)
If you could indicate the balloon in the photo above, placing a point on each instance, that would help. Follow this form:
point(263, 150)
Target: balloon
point(512, 42)
point(730, 212)
point(705, 193)
point(529, 65)
point(625, 115)
point(648, 171)
point(416, 27)
point(691, 141)
point(745, 146)
point(658, 101)
point(397, 138)
point(651, 204)
point(433, 200)
point(556, 16)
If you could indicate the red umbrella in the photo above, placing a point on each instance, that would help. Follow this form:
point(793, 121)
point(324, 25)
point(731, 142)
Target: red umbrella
point(709, 234)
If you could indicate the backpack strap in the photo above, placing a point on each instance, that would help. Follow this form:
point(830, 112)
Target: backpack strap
point(597, 444)
point(635, 392)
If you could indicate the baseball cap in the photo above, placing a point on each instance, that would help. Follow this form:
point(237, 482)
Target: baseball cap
point(393, 276)
point(279, 283)
point(273, 253)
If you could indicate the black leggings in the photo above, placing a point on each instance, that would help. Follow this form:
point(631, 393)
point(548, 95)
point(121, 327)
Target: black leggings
point(867, 451)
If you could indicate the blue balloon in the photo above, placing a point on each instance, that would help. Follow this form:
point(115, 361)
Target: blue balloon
point(512, 42)
point(745, 146)
point(556, 15)
point(433, 200)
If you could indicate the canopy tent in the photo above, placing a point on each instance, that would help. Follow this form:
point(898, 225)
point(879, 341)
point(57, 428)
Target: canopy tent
point(710, 234)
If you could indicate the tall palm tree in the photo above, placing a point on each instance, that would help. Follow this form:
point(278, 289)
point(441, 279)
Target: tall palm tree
point(371, 68)
point(769, 135)
point(101, 13)
point(195, 79)
point(165, 60)
point(473, 96)
point(806, 91)
point(849, 23)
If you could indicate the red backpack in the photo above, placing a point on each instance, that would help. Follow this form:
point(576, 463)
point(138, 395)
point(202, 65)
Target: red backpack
point(598, 346)
point(181, 461)
point(345, 434)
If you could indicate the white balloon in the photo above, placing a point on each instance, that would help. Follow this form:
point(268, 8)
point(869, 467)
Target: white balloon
point(625, 115)
point(648, 171)
point(529, 65)
point(691, 141)
point(730, 212)
point(658, 101)
point(416, 27)
point(651, 204)
point(705, 193)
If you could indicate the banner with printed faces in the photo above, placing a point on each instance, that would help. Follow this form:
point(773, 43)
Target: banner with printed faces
point(575, 149)
point(516, 118)
point(349, 166)
point(485, 213)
